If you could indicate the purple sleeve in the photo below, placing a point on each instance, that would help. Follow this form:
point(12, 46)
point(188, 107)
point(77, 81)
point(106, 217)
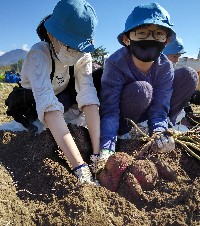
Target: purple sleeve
point(162, 92)
point(112, 83)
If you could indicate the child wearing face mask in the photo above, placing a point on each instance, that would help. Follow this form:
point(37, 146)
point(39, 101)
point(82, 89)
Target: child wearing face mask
point(173, 51)
point(68, 41)
point(138, 81)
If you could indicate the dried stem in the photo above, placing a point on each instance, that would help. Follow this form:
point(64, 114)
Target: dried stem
point(189, 138)
point(145, 136)
point(189, 150)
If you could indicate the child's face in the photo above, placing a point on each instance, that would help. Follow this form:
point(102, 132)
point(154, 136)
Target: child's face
point(173, 57)
point(149, 32)
point(57, 45)
point(146, 42)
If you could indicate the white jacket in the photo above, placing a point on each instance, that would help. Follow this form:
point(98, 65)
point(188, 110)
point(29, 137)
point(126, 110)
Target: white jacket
point(36, 72)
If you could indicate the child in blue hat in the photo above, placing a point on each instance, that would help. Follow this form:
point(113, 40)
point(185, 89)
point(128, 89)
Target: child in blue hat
point(173, 51)
point(68, 40)
point(138, 81)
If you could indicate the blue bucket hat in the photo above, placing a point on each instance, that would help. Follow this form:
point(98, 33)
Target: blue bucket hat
point(151, 13)
point(175, 46)
point(73, 22)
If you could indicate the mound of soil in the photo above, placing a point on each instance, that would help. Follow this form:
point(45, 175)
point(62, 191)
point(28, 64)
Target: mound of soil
point(37, 186)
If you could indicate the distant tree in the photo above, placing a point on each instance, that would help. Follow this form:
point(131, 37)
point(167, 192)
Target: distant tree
point(17, 67)
point(5, 68)
point(98, 55)
point(13, 67)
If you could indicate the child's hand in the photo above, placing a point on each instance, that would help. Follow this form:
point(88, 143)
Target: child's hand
point(103, 158)
point(164, 143)
point(94, 162)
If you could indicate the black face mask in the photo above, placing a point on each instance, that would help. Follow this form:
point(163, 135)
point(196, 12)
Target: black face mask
point(146, 50)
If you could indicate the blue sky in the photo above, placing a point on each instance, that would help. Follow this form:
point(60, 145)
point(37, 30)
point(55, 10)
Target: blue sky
point(19, 19)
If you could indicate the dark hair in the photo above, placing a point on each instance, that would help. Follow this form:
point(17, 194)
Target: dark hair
point(42, 32)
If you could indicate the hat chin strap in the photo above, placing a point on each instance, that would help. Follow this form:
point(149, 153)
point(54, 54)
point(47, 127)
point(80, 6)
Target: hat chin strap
point(52, 49)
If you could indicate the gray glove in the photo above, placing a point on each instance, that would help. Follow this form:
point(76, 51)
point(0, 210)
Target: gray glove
point(164, 143)
point(103, 158)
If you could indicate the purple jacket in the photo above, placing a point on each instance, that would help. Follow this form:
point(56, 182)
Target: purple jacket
point(119, 71)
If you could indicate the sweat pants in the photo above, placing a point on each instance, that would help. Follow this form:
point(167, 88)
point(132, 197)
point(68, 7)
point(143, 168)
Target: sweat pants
point(136, 98)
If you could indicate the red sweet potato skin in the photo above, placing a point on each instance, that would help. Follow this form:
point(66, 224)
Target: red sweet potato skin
point(145, 172)
point(116, 165)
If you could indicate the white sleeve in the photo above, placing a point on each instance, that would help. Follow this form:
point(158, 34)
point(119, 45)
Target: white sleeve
point(37, 67)
point(86, 92)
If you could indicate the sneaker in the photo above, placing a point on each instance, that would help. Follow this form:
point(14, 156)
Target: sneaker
point(135, 133)
point(84, 175)
point(126, 136)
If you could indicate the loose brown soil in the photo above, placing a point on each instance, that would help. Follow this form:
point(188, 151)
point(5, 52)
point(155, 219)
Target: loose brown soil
point(37, 186)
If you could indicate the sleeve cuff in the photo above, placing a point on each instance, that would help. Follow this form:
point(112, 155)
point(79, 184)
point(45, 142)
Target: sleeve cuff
point(47, 105)
point(109, 145)
point(88, 97)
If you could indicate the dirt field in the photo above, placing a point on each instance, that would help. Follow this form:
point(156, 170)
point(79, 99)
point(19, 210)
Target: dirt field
point(38, 188)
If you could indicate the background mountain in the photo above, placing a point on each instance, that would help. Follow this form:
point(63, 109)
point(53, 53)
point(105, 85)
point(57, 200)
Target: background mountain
point(12, 57)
